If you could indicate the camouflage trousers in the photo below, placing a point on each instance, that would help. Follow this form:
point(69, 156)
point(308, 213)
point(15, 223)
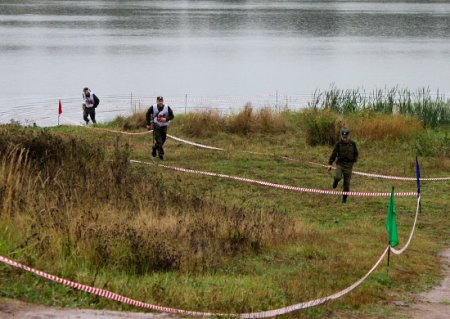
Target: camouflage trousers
point(346, 172)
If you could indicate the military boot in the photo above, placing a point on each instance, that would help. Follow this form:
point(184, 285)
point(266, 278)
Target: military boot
point(344, 198)
point(153, 151)
point(335, 183)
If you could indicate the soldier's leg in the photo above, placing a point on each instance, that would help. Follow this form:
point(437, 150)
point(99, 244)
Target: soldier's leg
point(163, 140)
point(154, 143)
point(85, 114)
point(347, 172)
point(92, 114)
point(158, 140)
point(337, 176)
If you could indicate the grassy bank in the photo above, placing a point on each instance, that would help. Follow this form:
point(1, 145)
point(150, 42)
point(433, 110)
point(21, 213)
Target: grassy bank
point(74, 206)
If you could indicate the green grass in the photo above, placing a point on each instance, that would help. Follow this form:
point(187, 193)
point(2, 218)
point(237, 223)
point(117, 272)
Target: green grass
point(329, 247)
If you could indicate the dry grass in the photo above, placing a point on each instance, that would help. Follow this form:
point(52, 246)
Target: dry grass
point(181, 240)
point(264, 120)
point(202, 124)
point(109, 214)
point(373, 126)
point(248, 121)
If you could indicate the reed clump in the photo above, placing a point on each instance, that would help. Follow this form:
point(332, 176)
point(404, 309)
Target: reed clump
point(83, 203)
point(431, 110)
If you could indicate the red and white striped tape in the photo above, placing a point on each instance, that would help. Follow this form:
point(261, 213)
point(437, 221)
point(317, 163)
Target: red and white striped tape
point(389, 176)
point(283, 157)
point(262, 314)
point(401, 251)
point(113, 296)
point(295, 160)
point(281, 186)
point(106, 129)
point(195, 144)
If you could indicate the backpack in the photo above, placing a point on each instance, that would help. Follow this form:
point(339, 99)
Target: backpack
point(96, 101)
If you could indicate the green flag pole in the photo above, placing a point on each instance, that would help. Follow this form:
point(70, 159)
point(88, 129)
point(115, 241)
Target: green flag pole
point(389, 257)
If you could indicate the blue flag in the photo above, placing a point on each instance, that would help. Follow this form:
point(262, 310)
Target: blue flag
point(418, 176)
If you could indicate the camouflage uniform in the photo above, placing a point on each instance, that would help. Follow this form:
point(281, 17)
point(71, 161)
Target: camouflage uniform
point(347, 155)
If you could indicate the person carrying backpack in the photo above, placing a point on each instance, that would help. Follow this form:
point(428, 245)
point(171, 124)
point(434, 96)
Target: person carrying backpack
point(90, 102)
point(347, 154)
point(158, 117)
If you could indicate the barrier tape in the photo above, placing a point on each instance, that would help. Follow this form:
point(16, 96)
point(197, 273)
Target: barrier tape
point(389, 176)
point(262, 314)
point(274, 185)
point(116, 297)
point(295, 160)
point(106, 129)
point(123, 132)
point(401, 251)
point(195, 144)
point(283, 157)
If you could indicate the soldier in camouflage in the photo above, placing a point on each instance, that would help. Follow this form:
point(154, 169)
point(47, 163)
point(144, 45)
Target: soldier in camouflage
point(347, 154)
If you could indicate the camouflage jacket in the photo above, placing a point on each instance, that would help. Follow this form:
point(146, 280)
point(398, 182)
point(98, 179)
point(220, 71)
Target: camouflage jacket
point(346, 153)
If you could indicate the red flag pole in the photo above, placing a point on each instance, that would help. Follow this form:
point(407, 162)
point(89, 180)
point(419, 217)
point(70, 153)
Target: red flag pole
point(59, 110)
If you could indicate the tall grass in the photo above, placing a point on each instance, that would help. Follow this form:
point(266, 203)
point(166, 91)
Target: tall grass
point(431, 110)
point(322, 127)
point(179, 240)
point(211, 122)
point(81, 203)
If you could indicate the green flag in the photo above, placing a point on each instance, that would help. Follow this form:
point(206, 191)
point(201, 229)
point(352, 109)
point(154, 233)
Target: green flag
point(391, 224)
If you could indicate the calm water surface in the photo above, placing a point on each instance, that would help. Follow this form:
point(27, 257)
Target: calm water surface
point(50, 50)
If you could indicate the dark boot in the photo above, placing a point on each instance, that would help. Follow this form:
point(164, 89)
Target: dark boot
point(344, 198)
point(335, 183)
point(153, 151)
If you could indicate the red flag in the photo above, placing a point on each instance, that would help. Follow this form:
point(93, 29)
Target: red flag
point(60, 108)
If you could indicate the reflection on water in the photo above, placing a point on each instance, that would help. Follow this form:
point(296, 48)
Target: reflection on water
point(51, 49)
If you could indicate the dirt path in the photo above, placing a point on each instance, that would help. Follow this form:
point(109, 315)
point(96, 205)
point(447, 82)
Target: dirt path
point(435, 304)
point(12, 309)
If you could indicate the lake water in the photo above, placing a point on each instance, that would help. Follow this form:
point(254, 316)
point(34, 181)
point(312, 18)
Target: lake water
point(212, 53)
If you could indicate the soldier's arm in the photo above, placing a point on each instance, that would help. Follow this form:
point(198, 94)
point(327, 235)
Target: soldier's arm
point(333, 155)
point(149, 116)
point(356, 153)
point(171, 116)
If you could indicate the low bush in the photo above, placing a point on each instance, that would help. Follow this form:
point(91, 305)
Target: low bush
point(432, 144)
point(321, 127)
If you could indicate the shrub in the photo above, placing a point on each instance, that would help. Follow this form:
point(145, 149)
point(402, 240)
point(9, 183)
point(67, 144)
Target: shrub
point(429, 144)
point(321, 127)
